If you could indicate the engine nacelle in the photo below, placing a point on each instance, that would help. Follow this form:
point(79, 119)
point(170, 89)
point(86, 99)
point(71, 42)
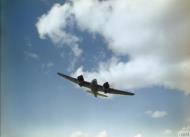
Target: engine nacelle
point(80, 80)
point(106, 87)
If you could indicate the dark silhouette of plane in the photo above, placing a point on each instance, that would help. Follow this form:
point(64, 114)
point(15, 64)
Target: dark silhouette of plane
point(94, 87)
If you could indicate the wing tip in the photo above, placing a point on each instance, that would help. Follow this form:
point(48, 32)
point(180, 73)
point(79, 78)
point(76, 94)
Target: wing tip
point(132, 94)
point(60, 74)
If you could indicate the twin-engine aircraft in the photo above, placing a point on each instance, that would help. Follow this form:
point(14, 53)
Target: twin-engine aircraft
point(94, 87)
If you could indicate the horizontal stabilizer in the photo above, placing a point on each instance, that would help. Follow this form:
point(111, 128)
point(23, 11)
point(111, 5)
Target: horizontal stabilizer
point(102, 95)
point(98, 94)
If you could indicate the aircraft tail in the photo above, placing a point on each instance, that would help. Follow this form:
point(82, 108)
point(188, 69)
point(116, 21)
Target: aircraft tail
point(101, 95)
point(98, 94)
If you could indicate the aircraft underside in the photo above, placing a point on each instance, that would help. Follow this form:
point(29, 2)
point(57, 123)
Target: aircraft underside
point(94, 87)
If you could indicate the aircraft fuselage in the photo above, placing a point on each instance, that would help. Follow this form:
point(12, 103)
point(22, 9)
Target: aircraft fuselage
point(93, 87)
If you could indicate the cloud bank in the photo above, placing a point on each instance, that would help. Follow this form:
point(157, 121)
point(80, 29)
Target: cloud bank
point(155, 37)
point(138, 135)
point(83, 134)
point(100, 134)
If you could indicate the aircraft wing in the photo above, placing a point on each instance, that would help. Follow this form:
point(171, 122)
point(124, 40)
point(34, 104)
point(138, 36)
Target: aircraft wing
point(99, 88)
point(68, 78)
point(115, 91)
point(85, 83)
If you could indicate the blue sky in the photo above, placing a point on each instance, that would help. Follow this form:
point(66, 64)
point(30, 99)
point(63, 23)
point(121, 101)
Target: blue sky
point(92, 41)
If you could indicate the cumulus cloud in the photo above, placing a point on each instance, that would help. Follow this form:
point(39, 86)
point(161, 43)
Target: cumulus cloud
point(102, 134)
point(119, 73)
point(53, 25)
point(79, 134)
point(155, 37)
point(156, 114)
point(138, 135)
point(83, 134)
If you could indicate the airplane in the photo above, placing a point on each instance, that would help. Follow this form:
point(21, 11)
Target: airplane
point(94, 87)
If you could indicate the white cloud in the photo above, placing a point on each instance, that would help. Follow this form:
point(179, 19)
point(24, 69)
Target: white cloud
point(155, 37)
point(119, 73)
point(79, 134)
point(72, 64)
point(138, 135)
point(83, 134)
point(31, 55)
point(76, 50)
point(50, 64)
point(156, 114)
point(157, 46)
point(53, 25)
point(102, 134)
